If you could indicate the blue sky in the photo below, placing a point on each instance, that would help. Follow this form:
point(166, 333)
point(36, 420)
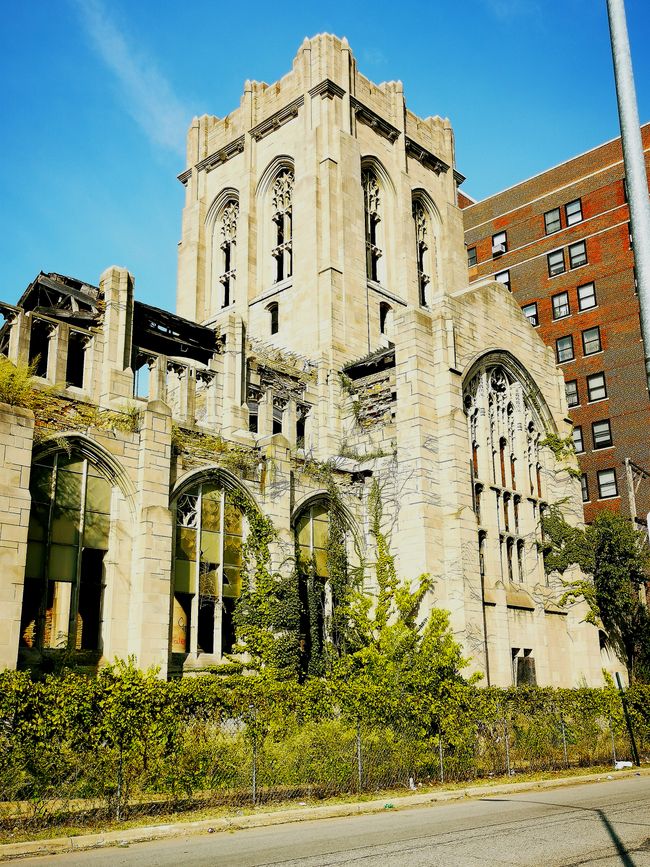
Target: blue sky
point(97, 96)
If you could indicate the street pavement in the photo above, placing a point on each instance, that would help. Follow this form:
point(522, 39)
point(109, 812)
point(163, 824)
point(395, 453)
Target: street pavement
point(603, 824)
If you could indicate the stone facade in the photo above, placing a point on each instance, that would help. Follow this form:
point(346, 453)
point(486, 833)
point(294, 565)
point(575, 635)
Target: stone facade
point(324, 315)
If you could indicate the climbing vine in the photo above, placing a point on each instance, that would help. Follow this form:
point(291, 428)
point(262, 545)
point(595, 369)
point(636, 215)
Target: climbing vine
point(563, 449)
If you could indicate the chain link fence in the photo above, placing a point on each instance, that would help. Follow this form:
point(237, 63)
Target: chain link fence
point(243, 761)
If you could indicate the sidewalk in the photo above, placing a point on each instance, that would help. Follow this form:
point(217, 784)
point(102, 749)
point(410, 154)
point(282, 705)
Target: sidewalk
point(58, 845)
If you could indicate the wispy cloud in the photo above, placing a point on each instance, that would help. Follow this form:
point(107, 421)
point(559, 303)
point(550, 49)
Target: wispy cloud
point(146, 94)
point(507, 9)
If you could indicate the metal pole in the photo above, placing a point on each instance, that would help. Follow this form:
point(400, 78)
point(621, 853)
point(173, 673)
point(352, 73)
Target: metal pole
point(628, 721)
point(633, 158)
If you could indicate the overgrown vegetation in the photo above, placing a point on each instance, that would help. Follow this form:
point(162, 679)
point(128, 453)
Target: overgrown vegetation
point(615, 559)
point(236, 458)
point(564, 451)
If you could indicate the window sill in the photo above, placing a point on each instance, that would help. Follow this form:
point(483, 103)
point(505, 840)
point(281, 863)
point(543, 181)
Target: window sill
point(597, 400)
point(567, 360)
point(603, 448)
point(606, 499)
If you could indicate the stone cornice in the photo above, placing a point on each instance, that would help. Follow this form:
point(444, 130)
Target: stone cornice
point(458, 177)
point(327, 88)
point(422, 155)
point(370, 118)
point(278, 119)
point(185, 176)
point(222, 155)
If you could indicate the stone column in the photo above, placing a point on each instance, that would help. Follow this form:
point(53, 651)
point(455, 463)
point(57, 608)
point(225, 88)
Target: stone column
point(117, 377)
point(16, 440)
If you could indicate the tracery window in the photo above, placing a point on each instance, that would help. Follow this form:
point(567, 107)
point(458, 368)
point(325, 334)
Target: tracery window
point(228, 232)
point(423, 243)
point(67, 541)
point(504, 425)
point(372, 207)
point(207, 570)
point(281, 201)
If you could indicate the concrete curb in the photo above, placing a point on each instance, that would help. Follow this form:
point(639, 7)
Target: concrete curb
point(59, 845)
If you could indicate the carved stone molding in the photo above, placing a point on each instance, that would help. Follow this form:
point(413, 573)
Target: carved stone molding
point(422, 155)
point(222, 155)
point(374, 121)
point(278, 119)
point(327, 89)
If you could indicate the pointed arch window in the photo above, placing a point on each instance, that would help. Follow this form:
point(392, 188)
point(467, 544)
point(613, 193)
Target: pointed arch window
point(385, 318)
point(372, 207)
point(423, 241)
point(274, 314)
point(228, 242)
point(282, 202)
point(68, 539)
point(207, 570)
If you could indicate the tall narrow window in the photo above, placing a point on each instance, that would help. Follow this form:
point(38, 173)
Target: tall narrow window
point(39, 346)
point(372, 207)
point(74, 370)
point(274, 317)
point(502, 460)
point(207, 570)
point(68, 538)
point(422, 251)
point(385, 318)
point(282, 217)
point(228, 229)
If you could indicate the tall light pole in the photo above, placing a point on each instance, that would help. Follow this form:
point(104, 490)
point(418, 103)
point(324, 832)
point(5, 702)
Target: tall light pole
point(634, 161)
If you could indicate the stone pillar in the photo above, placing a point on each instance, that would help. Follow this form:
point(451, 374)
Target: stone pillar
point(116, 285)
point(16, 440)
point(151, 572)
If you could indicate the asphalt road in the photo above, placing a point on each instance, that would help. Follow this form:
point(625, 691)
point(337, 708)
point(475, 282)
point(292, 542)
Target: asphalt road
point(600, 824)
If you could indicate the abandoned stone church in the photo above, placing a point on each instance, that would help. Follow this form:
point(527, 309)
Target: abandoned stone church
point(323, 316)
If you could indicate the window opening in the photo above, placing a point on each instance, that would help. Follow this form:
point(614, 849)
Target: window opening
point(578, 442)
point(422, 250)
point(499, 244)
point(372, 206)
point(229, 218)
point(561, 306)
point(564, 348)
point(385, 316)
point(278, 412)
point(556, 263)
point(584, 487)
point(39, 346)
point(571, 390)
point(207, 569)
point(74, 370)
point(520, 560)
point(530, 312)
point(591, 341)
point(596, 387)
point(577, 254)
point(282, 217)
point(587, 296)
point(573, 212)
point(552, 221)
point(607, 486)
point(471, 257)
point(274, 317)
point(67, 540)
point(503, 277)
point(602, 434)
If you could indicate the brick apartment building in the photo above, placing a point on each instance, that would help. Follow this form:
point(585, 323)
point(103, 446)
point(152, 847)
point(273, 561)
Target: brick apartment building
point(561, 242)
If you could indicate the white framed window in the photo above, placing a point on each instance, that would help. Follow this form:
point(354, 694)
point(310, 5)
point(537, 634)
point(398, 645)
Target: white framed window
point(503, 277)
point(578, 442)
point(571, 389)
point(577, 254)
point(530, 312)
point(596, 387)
point(281, 200)
point(584, 485)
point(552, 222)
point(499, 243)
point(573, 212)
point(587, 296)
point(601, 432)
point(591, 341)
point(556, 263)
point(564, 349)
point(561, 307)
point(607, 487)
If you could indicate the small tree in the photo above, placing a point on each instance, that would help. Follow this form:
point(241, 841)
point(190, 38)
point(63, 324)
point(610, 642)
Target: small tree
point(615, 559)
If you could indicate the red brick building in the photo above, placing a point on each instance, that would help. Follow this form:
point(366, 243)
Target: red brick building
point(561, 242)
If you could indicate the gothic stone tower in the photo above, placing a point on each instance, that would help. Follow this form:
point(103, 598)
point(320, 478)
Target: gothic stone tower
point(321, 221)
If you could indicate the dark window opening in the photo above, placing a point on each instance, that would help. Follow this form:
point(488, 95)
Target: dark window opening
point(74, 372)
point(39, 347)
point(300, 431)
point(274, 316)
point(384, 316)
point(277, 419)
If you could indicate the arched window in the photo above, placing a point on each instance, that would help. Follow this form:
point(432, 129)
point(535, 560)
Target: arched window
point(67, 542)
point(317, 537)
point(281, 201)
point(423, 241)
point(372, 207)
point(207, 570)
point(385, 318)
point(224, 259)
point(274, 317)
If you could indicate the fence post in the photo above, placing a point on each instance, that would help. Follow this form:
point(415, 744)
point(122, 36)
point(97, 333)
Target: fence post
point(566, 757)
point(359, 758)
point(254, 727)
point(505, 740)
